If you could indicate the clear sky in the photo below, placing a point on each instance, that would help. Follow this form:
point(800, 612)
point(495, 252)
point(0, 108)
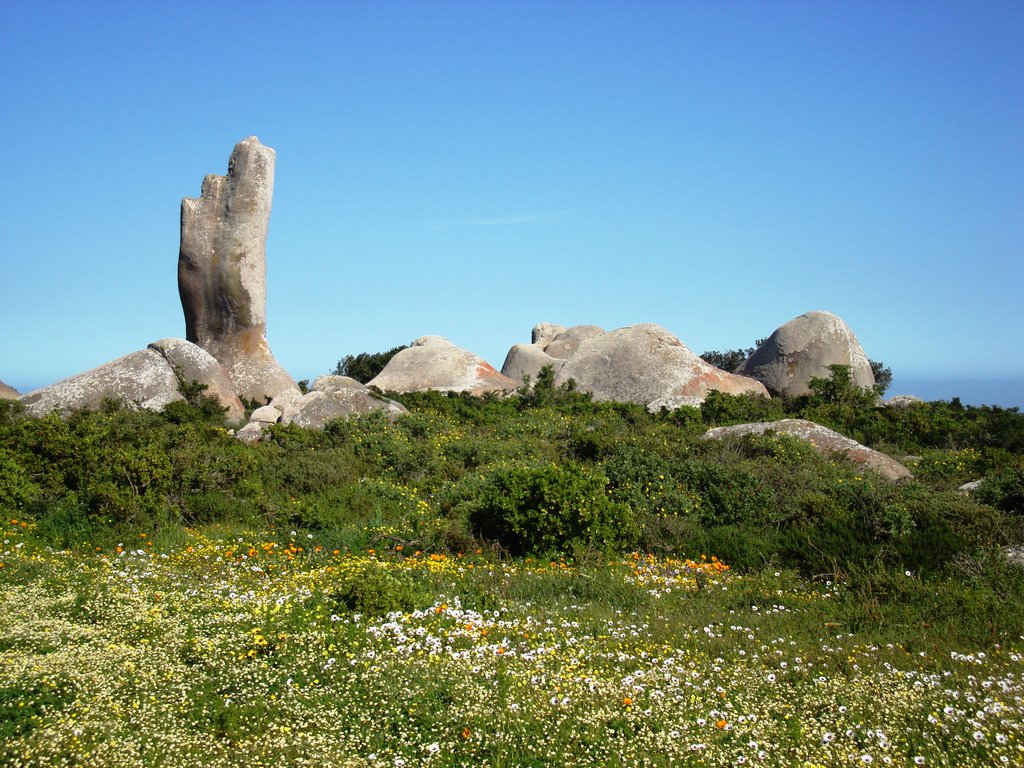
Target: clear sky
point(469, 169)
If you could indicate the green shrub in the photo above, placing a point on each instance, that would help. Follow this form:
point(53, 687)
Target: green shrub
point(1004, 490)
point(529, 509)
point(374, 591)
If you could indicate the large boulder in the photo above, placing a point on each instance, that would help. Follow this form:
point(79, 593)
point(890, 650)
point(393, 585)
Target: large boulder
point(222, 270)
point(433, 362)
point(569, 340)
point(8, 393)
point(335, 397)
point(191, 363)
point(528, 360)
point(552, 346)
point(646, 364)
point(803, 349)
point(824, 440)
point(150, 378)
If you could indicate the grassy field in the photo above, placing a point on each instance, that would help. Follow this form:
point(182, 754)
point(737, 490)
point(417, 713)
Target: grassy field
point(169, 597)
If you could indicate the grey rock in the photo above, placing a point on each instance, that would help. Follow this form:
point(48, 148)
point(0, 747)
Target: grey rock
point(252, 432)
point(266, 414)
point(193, 363)
point(644, 364)
point(8, 393)
point(569, 340)
point(824, 440)
point(222, 270)
point(902, 401)
point(970, 487)
point(433, 362)
point(803, 349)
point(528, 360)
point(544, 333)
point(336, 397)
point(141, 379)
point(1014, 555)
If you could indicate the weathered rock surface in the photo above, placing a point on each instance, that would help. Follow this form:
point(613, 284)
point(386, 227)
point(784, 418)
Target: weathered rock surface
point(803, 349)
point(1014, 555)
point(192, 363)
point(824, 440)
point(544, 333)
point(267, 414)
point(569, 340)
point(528, 360)
point(148, 378)
point(433, 362)
point(141, 379)
point(552, 345)
point(335, 397)
point(222, 270)
point(645, 363)
point(8, 393)
point(902, 401)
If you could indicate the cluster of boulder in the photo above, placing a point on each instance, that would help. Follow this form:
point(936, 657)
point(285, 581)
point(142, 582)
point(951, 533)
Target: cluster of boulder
point(222, 285)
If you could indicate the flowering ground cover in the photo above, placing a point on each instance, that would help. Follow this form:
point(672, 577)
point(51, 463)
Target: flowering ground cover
point(272, 647)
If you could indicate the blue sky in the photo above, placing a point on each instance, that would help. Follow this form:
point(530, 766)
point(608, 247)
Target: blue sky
point(471, 169)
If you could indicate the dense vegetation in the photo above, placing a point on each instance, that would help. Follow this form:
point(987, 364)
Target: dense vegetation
point(544, 557)
point(365, 365)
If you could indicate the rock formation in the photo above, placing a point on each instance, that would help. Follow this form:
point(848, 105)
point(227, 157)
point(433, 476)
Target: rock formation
point(803, 349)
point(433, 362)
point(552, 345)
point(528, 360)
point(8, 393)
point(222, 271)
point(902, 401)
point(149, 378)
point(824, 440)
point(648, 365)
point(332, 397)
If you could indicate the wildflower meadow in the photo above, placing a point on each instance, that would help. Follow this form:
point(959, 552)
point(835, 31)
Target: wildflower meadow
point(357, 597)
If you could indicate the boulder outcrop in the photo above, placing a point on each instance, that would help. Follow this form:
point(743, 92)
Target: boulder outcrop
point(150, 378)
point(222, 270)
point(332, 397)
point(646, 364)
point(824, 440)
point(551, 346)
point(433, 362)
point(8, 393)
point(528, 360)
point(803, 349)
point(335, 397)
point(191, 363)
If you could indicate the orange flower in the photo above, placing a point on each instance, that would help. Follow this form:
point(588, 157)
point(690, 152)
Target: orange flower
point(466, 733)
point(721, 724)
point(627, 701)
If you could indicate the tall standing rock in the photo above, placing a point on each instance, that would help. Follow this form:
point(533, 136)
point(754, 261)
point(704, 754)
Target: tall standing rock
point(222, 270)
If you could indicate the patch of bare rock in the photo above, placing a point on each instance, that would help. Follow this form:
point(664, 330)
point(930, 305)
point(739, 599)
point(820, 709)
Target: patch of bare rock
point(434, 363)
point(824, 440)
point(803, 349)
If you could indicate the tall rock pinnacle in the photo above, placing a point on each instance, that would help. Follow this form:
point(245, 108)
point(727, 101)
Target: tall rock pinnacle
point(222, 270)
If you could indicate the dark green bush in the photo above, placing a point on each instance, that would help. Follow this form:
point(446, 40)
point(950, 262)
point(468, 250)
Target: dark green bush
point(531, 509)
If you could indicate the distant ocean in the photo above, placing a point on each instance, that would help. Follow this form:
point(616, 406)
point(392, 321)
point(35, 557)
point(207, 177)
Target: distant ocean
point(1007, 393)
